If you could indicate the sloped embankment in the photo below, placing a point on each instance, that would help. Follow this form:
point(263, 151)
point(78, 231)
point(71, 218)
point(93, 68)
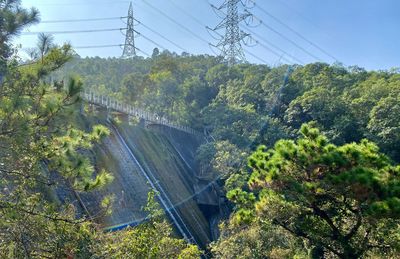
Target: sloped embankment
point(155, 155)
point(129, 188)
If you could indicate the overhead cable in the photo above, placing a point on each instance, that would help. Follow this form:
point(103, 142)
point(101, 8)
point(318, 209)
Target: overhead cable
point(150, 40)
point(256, 57)
point(109, 46)
point(83, 20)
point(273, 45)
point(147, 54)
point(187, 13)
point(295, 32)
point(98, 46)
point(72, 32)
point(160, 35)
point(288, 39)
point(83, 3)
point(175, 22)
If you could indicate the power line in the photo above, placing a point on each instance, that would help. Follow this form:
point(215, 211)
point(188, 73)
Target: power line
point(98, 46)
point(256, 57)
point(175, 22)
point(274, 46)
point(288, 39)
point(83, 3)
point(294, 31)
point(114, 18)
point(109, 46)
point(299, 14)
point(83, 20)
point(150, 40)
point(187, 13)
point(147, 54)
point(88, 46)
point(160, 35)
point(273, 52)
point(72, 32)
point(121, 29)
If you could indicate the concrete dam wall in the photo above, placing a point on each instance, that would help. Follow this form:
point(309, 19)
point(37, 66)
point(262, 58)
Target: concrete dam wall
point(142, 159)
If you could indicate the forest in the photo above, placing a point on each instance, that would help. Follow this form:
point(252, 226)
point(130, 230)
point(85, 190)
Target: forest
point(248, 105)
point(307, 155)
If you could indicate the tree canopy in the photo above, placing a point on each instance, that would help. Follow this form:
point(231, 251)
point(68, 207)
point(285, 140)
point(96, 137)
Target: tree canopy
point(341, 200)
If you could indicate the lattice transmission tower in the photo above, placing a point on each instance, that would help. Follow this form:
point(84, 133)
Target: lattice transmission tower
point(230, 42)
point(129, 46)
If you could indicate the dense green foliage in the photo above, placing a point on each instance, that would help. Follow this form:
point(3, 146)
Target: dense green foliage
point(304, 198)
point(260, 239)
point(248, 105)
point(342, 200)
point(152, 239)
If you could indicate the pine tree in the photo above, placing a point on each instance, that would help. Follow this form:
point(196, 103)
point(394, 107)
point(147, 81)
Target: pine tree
point(36, 140)
point(340, 200)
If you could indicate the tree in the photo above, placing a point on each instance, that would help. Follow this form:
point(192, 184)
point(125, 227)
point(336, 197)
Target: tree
point(151, 239)
point(161, 95)
point(257, 240)
point(37, 141)
point(342, 200)
point(329, 109)
point(227, 159)
point(133, 86)
point(384, 125)
point(155, 53)
point(13, 20)
point(43, 46)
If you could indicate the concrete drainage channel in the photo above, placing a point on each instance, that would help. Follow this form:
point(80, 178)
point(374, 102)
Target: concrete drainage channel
point(166, 203)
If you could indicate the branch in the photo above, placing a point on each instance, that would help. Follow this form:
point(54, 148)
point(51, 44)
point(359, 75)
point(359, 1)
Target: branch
point(354, 230)
point(322, 214)
point(301, 233)
point(31, 212)
point(35, 178)
point(379, 246)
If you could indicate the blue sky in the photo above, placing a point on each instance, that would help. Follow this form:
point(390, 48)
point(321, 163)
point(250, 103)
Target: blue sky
point(356, 32)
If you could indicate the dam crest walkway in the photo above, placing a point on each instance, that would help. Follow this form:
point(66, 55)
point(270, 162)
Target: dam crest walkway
point(112, 104)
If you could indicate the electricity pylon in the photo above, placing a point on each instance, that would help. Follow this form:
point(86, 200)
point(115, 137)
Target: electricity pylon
point(129, 47)
point(230, 43)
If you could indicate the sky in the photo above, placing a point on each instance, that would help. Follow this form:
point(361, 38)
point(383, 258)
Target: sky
point(353, 32)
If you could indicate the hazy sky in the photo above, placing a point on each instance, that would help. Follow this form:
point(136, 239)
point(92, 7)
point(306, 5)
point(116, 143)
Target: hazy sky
point(356, 32)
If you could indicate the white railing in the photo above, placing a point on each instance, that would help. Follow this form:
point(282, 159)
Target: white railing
point(112, 104)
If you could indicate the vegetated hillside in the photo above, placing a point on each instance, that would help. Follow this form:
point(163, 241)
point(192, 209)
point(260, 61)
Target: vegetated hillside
point(157, 154)
point(251, 104)
point(246, 105)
